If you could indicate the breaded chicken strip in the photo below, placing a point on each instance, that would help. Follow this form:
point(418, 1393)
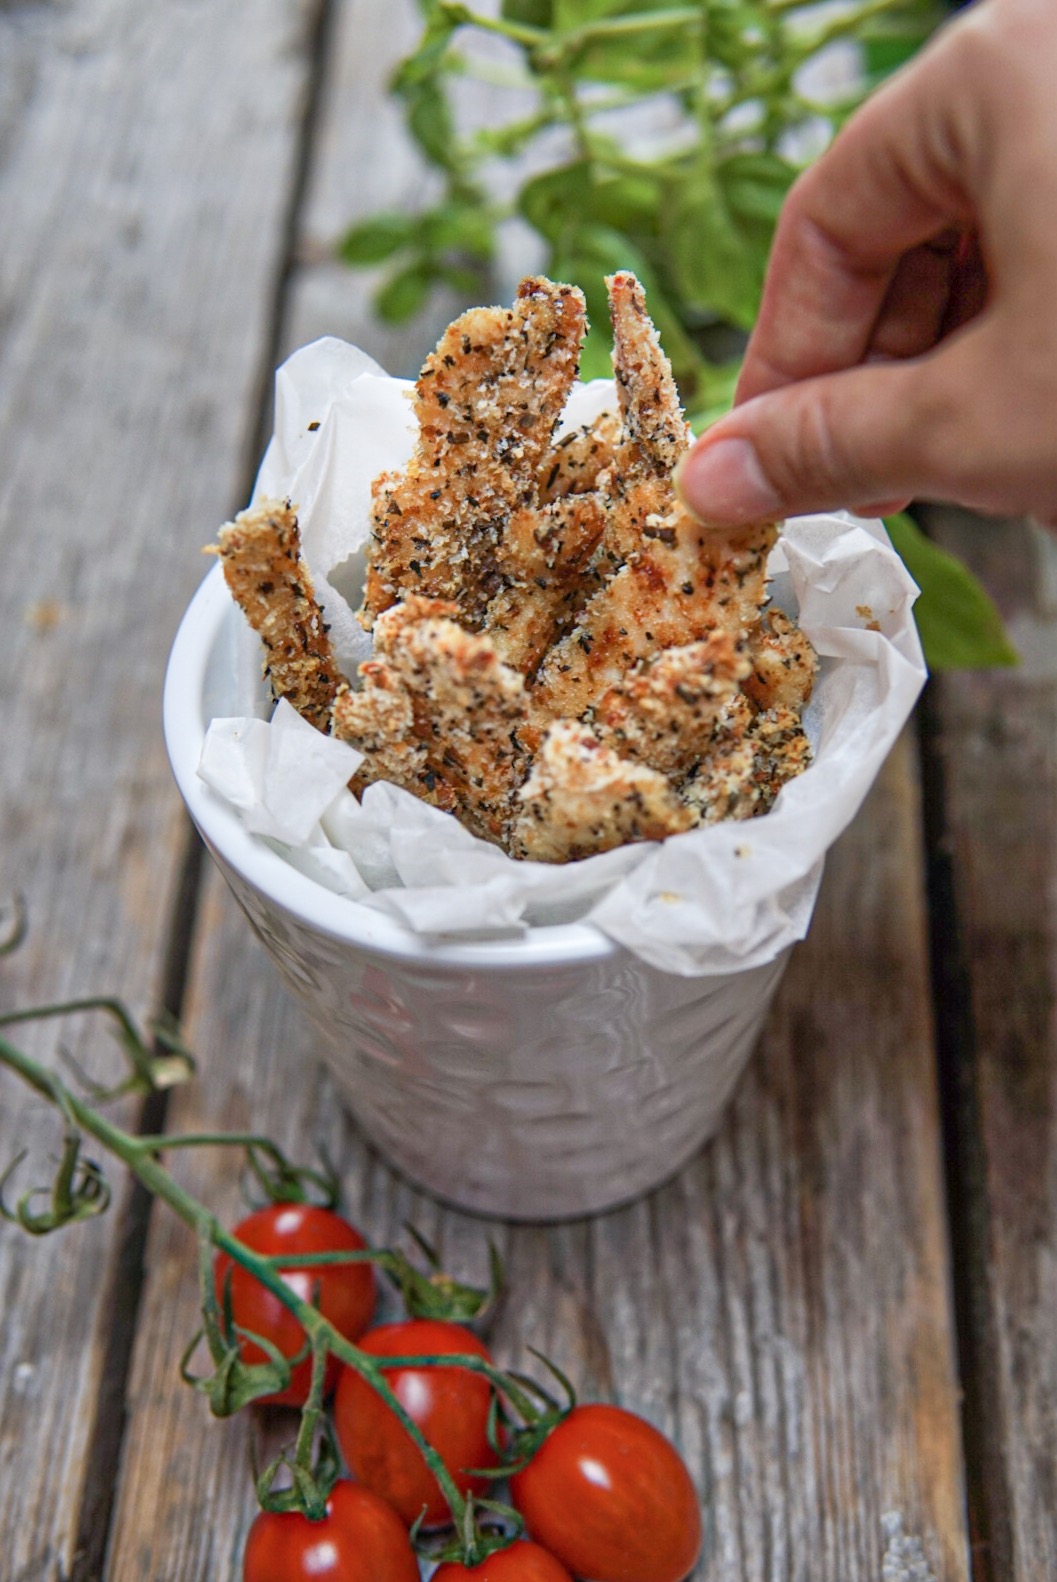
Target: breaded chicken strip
point(581, 798)
point(662, 581)
point(781, 751)
point(487, 401)
point(544, 561)
point(665, 714)
point(577, 459)
point(784, 664)
point(655, 433)
point(750, 758)
point(685, 582)
point(457, 708)
point(260, 552)
point(563, 657)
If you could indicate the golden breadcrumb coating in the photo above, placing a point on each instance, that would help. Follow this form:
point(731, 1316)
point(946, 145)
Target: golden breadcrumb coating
point(720, 785)
point(750, 759)
point(784, 664)
point(781, 751)
point(260, 552)
point(683, 583)
point(582, 798)
point(487, 401)
point(655, 433)
point(460, 707)
point(544, 563)
point(563, 657)
point(578, 457)
point(666, 714)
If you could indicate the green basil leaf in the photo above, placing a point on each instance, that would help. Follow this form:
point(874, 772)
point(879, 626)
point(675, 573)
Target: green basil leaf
point(546, 201)
point(717, 265)
point(404, 294)
point(464, 227)
point(567, 196)
point(376, 239)
point(959, 626)
point(424, 62)
point(430, 122)
point(754, 187)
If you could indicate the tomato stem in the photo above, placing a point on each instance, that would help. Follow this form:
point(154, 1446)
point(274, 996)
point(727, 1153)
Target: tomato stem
point(144, 1164)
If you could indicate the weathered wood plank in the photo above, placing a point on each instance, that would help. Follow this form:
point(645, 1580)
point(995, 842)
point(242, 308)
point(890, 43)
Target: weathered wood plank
point(146, 156)
point(781, 1306)
point(363, 161)
point(996, 739)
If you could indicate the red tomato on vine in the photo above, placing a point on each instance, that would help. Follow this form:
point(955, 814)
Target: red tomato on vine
point(344, 1293)
point(611, 1498)
point(359, 1540)
point(520, 1562)
point(449, 1405)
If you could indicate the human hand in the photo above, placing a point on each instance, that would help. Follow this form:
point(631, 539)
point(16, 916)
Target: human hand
point(907, 339)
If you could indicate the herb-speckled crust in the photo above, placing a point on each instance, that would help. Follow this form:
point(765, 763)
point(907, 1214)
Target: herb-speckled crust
point(749, 759)
point(579, 457)
point(582, 798)
point(460, 708)
point(684, 582)
point(655, 433)
point(563, 657)
point(487, 401)
point(260, 552)
point(666, 714)
point(660, 579)
point(784, 664)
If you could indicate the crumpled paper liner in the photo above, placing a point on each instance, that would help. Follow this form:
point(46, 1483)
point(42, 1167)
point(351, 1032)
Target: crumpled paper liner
point(714, 900)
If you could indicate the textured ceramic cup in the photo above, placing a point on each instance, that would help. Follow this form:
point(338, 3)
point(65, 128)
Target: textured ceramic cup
point(543, 1077)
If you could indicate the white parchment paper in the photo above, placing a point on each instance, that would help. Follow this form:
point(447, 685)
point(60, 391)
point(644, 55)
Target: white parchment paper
point(710, 901)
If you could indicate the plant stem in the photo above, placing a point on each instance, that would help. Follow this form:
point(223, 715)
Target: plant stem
point(91, 1002)
point(516, 32)
point(143, 1163)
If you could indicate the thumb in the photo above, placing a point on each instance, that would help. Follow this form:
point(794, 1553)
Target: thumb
point(882, 431)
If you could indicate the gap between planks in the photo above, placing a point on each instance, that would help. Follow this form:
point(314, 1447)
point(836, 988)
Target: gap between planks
point(123, 1297)
point(965, 1170)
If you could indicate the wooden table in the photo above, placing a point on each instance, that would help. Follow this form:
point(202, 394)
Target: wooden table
point(846, 1307)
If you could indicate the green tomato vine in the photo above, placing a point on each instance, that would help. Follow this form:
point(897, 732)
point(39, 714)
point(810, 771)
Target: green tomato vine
point(301, 1478)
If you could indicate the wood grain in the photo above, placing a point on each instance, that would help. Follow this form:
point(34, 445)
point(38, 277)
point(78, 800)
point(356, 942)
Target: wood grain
point(145, 162)
point(996, 738)
point(362, 162)
point(781, 1307)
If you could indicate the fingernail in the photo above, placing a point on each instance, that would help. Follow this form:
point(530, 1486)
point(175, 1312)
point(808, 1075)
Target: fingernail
point(724, 482)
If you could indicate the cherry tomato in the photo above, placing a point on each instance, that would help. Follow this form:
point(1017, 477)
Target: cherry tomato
point(359, 1540)
point(521, 1562)
point(611, 1497)
point(449, 1405)
point(344, 1293)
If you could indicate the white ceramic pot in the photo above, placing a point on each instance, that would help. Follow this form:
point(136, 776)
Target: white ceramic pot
point(545, 1077)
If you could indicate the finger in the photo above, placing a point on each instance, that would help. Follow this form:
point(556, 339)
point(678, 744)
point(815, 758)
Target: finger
point(889, 183)
point(883, 431)
point(882, 507)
